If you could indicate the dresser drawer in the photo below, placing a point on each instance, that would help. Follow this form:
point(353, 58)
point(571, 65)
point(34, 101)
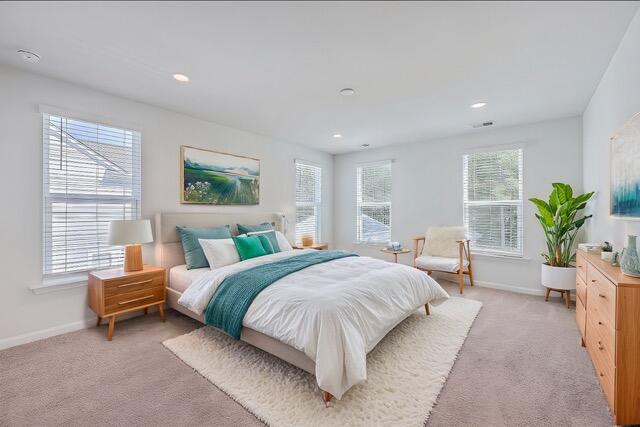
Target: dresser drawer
point(131, 284)
point(604, 339)
point(605, 371)
point(601, 294)
point(128, 300)
point(581, 266)
point(581, 318)
point(581, 290)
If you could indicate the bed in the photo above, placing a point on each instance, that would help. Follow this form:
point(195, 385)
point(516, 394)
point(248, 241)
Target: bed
point(311, 350)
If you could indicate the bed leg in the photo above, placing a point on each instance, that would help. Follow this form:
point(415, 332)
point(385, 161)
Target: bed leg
point(327, 397)
point(426, 309)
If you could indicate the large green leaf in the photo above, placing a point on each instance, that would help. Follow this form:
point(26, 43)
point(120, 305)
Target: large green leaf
point(563, 192)
point(543, 207)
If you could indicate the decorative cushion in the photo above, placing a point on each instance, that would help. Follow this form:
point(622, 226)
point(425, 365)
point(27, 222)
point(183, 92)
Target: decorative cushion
point(283, 243)
point(441, 241)
point(219, 252)
point(249, 247)
point(271, 235)
point(193, 254)
point(246, 229)
point(440, 263)
point(266, 243)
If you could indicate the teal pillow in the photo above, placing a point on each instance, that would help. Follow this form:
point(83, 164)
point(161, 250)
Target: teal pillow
point(271, 235)
point(266, 243)
point(244, 229)
point(249, 247)
point(193, 254)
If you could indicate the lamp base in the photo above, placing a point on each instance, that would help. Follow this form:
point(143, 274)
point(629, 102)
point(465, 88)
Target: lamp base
point(132, 258)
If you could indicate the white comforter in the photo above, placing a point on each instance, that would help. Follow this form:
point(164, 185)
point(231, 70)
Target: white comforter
point(334, 312)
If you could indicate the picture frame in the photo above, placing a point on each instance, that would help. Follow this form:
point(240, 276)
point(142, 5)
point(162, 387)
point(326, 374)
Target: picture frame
point(624, 171)
point(209, 177)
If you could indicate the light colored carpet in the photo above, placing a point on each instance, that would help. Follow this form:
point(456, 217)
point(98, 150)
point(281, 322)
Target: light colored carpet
point(521, 365)
point(405, 373)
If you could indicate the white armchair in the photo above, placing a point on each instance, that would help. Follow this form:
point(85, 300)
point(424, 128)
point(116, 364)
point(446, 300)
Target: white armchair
point(445, 250)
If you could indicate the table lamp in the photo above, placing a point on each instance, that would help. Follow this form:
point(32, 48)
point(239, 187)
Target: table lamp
point(130, 234)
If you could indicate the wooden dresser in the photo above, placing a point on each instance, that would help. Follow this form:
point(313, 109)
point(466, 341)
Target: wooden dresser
point(608, 316)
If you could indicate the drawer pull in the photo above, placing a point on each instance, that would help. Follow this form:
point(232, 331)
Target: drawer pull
point(601, 374)
point(580, 266)
point(125, 285)
point(593, 280)
point(134, 300)
point(601, 296)
point(599, 322)
point(600, 347)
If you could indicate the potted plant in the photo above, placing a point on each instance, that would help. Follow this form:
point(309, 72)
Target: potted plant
point(560, 226)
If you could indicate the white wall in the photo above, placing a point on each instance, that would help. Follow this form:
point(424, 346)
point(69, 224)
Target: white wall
point(427, 191)
point(615, 100)
point(24, 315)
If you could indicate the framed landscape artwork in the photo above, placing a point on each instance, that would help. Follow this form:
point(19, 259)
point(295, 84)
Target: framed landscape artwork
point(625, 171)
point(213, 178)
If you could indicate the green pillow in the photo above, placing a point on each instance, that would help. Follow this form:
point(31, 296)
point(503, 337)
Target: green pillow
point(249, 247)
point(244, 229)
point(271, 235)
point(193, 254)
point(266, 244)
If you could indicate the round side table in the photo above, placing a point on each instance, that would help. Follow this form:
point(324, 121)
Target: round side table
point(395, 253)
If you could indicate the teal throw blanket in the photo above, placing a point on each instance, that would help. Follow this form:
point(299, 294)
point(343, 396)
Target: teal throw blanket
point(235, 294)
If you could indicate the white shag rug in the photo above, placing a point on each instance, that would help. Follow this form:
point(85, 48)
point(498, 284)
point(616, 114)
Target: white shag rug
point(405, 373)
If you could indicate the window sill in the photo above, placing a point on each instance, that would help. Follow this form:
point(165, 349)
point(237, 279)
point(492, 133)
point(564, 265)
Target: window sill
point(370, 244)
point(498, 256)
point(53, 284)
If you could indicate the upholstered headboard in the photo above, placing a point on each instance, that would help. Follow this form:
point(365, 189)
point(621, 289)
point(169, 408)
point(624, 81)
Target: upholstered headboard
point(168, 248)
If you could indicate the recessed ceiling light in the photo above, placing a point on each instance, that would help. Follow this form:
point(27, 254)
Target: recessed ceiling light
point(347, 91)
point(29, 56)
point(365, 145)
point(478, 105)
point(337, 135)
point(181, 77)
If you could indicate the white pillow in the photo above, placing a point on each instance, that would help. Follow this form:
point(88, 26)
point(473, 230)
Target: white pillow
point(283, 242)
point(219, 252)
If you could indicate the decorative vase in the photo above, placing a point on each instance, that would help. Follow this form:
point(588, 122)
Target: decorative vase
point(629, 262)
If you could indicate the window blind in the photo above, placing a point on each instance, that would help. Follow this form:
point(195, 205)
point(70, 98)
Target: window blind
point(91, 175)
point(308, 200)
point(493, 201)
point(373, 194)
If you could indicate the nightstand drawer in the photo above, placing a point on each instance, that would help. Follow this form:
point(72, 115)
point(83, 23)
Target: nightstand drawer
point(128, 300)
point(131, 284)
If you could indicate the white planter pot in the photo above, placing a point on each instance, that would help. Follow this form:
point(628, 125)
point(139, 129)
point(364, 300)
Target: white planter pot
point(558, 277)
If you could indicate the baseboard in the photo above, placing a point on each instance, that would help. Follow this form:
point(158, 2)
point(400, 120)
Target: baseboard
point(510, 288)
point(46, 333)
point(59, 330)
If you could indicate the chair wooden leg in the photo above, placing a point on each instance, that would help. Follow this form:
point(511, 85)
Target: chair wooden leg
point(326, 396)
point(470, 276)
point(461, 281)
point(546, 294)
point(426, 309)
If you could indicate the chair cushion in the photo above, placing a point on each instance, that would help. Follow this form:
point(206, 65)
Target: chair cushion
point(450, 265)
point(441, 241)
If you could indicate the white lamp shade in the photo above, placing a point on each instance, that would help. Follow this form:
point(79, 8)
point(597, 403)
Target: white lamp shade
point(126, 232)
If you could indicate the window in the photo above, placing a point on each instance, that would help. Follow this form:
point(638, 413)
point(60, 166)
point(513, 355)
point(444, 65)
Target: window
point(373, 193)
point(91, 175)
point(493, 201)
point(308, 200)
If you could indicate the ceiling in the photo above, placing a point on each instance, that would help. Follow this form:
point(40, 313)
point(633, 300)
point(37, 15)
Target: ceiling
point(275, 68)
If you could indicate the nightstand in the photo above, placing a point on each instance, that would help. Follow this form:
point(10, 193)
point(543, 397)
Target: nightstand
point(114, 292)
point(317, 246)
